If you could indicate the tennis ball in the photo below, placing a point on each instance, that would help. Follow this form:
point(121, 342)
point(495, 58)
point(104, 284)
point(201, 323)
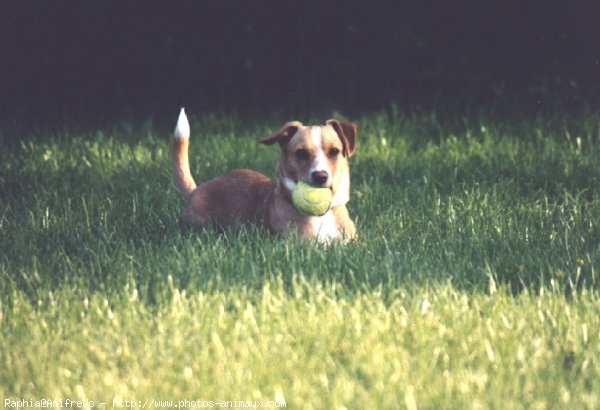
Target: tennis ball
point(310, 200)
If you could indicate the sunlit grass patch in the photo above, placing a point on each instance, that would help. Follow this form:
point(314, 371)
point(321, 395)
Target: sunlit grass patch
point(316, 345)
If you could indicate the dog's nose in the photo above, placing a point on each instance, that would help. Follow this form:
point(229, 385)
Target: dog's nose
point(319, 177)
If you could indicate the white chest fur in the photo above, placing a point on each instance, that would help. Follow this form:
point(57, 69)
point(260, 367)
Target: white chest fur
point(325, 227)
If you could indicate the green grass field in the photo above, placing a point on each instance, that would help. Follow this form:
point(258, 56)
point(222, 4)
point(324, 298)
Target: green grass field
point(474, 283)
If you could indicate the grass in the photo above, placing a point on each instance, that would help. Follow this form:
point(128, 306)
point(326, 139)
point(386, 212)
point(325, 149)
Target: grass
point(474, 283)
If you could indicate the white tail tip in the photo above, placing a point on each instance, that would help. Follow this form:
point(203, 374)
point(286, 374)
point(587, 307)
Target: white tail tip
point(182, 130)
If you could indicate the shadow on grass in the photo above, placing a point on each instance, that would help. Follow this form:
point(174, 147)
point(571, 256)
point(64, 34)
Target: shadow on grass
point(475, 220)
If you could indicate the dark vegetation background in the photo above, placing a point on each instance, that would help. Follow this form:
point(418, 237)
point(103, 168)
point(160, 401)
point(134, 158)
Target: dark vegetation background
point(100, 60)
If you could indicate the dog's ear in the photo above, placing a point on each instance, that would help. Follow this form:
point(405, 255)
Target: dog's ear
point(347, 133)
point(282, 135)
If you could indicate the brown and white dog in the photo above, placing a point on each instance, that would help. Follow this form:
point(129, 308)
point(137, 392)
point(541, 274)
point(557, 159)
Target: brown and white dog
point(317, 155)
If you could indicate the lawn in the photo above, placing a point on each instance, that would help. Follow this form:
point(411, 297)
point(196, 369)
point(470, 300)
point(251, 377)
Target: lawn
point(474, 282)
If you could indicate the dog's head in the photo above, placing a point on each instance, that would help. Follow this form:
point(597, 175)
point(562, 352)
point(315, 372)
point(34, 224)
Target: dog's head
point(317, 155)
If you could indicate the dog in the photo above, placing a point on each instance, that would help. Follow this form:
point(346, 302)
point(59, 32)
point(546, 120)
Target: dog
point(316, 155)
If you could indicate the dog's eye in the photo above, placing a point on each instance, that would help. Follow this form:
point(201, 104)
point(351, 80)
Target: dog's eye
point(302, 154)
point(333, 152)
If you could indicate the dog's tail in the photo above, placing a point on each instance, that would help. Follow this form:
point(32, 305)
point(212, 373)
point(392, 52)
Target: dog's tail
point(181, 167)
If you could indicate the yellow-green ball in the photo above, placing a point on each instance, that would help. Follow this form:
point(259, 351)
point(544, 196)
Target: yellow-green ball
point(310, 200)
